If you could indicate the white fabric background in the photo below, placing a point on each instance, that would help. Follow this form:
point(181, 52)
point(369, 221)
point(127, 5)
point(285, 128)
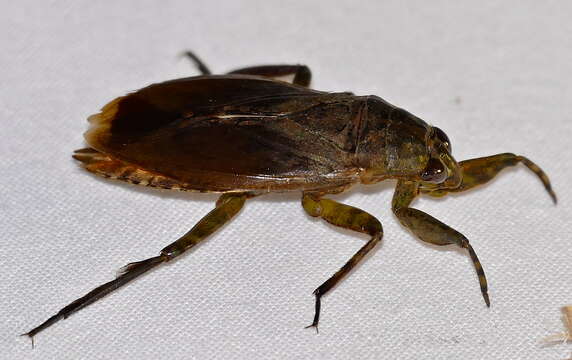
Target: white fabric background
point(496, 76)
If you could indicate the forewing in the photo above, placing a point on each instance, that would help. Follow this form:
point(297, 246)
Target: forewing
point(222, 132)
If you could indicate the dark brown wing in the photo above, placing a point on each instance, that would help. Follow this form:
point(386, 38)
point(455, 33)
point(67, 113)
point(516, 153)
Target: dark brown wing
point(232, 132)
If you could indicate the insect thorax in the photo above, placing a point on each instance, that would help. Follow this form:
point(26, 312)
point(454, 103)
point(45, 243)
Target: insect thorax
point(393, 142)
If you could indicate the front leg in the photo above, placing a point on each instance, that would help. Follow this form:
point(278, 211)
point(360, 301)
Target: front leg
point(431, 230)
point(481, 170)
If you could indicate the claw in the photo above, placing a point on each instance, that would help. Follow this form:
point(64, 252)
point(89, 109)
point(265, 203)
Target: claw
point(30, 336)
point(314, 326)
point(317, 311)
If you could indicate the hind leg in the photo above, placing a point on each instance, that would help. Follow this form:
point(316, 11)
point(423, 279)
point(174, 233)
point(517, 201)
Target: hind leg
point(227, 206)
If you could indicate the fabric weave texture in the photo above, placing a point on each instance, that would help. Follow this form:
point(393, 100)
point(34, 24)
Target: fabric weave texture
point(495, 76)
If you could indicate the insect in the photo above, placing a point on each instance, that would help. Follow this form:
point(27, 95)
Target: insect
point(245, 134)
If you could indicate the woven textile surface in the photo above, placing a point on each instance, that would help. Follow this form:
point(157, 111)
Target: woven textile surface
point(495, 76)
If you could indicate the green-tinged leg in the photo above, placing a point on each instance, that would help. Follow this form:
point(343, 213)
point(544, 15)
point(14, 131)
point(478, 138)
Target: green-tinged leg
point(481, 170)
point(226, 208)
point(346, 217)
point(431, 230)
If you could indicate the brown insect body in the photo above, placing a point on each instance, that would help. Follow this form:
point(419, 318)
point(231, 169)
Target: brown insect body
point(247, 133)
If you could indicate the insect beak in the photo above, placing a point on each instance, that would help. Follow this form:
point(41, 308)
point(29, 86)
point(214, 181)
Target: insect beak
point(454, 173)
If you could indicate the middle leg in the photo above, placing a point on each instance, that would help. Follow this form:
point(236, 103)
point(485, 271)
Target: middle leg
point(431, 230)
point(344, 216)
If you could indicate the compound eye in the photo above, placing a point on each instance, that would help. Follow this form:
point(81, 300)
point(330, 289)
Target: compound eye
point(439, 134)
point(435, 172)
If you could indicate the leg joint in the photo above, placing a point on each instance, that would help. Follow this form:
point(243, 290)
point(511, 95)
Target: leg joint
point(311, 205)
point(171, 251)
point(374, 228)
